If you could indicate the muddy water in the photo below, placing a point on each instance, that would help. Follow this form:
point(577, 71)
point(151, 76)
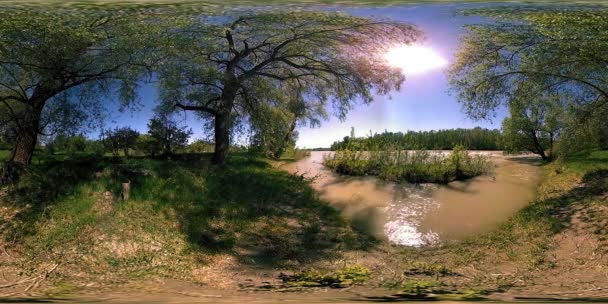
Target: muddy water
point(415, 215)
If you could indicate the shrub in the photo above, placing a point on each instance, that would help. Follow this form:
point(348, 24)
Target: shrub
point(417, 166)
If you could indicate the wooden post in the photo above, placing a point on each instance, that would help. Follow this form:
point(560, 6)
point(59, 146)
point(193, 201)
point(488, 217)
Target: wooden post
point(125, 190)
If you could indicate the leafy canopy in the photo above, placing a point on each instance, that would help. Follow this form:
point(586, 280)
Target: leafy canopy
point(563, 51)
point(64, 63)
point(293, 65)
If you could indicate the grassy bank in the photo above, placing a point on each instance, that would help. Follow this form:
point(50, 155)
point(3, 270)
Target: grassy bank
point(557, 246)
point(183, 215)
point(417, 166)
point(179, 215)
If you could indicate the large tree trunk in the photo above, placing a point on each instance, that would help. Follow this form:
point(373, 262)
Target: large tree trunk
point(27, 136)
point(223, 119)
point(222, 137)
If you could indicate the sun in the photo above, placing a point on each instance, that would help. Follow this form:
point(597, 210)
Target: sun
point(415, 59)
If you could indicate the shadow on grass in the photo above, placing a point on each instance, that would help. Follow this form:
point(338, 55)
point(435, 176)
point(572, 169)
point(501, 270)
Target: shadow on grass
point(264, 216)
point(43, 183)
point(560, 210)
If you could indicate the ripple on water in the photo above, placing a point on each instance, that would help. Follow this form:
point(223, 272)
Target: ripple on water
point(404, 214)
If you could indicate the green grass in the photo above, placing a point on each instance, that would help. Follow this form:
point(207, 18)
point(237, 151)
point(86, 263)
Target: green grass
point(410, 166)
point(4, 154)
point(179, 214)
point(344, 277)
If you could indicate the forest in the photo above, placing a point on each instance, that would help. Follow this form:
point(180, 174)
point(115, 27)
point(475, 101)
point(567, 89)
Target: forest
point(472, 139)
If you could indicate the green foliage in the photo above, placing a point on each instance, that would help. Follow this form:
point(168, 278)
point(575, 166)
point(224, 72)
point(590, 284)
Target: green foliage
point(411, 166)
point(69, 144)
point(147, 145)
point(419, 287)
point(546, 65)
point(273, 132)
point(46, 182)
point(339, 278)
point(474, 139)
point(56, 65)
point(277, 69)
point(165, 136)
point(200, 146)
point(119, 139)
point(4, 154)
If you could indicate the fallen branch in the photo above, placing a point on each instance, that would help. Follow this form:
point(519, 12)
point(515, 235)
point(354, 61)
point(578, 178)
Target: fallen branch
point(41, 278)
point(35, 281)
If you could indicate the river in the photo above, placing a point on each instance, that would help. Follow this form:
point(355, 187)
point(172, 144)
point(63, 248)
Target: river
point(426, 214)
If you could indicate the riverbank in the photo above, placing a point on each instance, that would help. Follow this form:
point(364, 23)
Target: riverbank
point(230, 233)
point(556, 247)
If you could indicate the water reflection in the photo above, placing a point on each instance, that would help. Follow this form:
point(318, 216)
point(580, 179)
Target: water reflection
point(416, 215)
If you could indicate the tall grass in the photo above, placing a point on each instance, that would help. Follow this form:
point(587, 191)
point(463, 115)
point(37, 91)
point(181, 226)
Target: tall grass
point(417, 166)
point(295, 154)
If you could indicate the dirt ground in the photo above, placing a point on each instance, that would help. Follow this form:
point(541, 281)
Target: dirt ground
point(573, 268)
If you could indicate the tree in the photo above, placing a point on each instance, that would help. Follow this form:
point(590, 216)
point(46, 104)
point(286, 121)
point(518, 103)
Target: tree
point(147, 145)
point(228, 70)
point(533, 125)
point(65, 143)
point(473, 139)
point(166, 136)
point(531, 52)
point(121, 139)
point(273, 131)
point(55, 62)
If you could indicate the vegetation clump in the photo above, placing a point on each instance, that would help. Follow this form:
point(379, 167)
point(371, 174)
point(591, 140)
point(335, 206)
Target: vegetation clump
point(346, 276)
point(411, 166)
point(419, 287)
point(429, 269)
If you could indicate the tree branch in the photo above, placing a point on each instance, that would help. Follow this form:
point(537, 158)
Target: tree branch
point(195, 108)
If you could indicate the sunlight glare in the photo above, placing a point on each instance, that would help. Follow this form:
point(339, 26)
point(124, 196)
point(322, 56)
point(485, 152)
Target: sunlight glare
point(414, 59)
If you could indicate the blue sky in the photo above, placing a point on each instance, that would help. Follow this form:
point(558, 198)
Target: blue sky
point(422, 104)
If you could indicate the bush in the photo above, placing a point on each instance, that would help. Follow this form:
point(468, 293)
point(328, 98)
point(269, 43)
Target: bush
point(412, 166)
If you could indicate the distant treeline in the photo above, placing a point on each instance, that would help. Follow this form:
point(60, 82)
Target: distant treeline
point(473, 139)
